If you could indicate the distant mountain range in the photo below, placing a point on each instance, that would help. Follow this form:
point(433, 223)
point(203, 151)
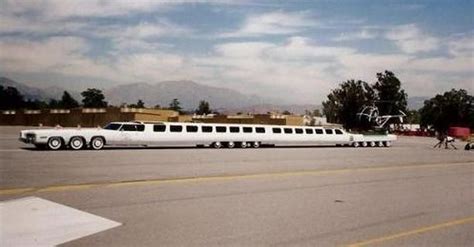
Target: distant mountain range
point(189, 94)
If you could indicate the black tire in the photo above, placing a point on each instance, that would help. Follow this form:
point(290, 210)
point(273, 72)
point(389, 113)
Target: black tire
point(230, 145)
point(54, 143)
point(216, 145)
point(77, 143)
point(97, 143)
point(467, 147)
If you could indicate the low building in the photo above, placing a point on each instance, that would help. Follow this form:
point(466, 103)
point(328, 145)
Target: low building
point(92, 117)
point(86, 117)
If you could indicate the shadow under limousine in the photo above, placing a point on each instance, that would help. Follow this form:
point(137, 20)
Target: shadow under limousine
point(191, 147)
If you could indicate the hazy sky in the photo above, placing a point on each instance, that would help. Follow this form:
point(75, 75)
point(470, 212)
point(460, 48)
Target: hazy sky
point(294, 50)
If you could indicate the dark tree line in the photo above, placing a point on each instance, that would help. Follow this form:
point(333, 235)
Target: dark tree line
point(453, 108)
point(345, 102)
point(12, 99)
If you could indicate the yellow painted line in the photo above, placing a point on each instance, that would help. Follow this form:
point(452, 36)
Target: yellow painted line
point(414, 232)
point(70, 187)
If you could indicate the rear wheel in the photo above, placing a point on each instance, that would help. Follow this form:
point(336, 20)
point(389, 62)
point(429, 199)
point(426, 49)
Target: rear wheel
point(97, 143)
point(364, 144)
point(55, 143)
point(372, 144)
point(243, 145)
point(355, 144)
point(380, 144)
point(76, 143)
point(217, 145)
point(256, 144)
point(230, 145)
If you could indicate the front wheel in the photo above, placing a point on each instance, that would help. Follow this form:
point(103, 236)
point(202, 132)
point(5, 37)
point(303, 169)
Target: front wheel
point(97, 143)
point(55, 143)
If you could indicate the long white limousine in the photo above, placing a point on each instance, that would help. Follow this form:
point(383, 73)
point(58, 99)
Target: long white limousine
point(197, 134)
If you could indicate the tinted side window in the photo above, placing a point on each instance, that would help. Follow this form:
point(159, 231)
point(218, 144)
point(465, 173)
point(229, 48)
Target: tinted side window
point(159, 128)
point(328, 131)
point(206, 129)
point(140, 127)
point(221, 129)
point(318, 131)
point(276, 130)
point(247, 129)
point(112, 126)
point(299, 131)
point(338, 132)
point(234, 129)
point(191, 128)
point(261, 130)
point(309, 131)
point(288, 130)
point(128, 127)
point(176, 128)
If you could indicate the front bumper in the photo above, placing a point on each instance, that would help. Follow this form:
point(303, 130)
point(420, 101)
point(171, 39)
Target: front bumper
point(28, 138)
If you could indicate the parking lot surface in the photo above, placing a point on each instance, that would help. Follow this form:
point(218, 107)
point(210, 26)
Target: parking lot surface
point(407, 195)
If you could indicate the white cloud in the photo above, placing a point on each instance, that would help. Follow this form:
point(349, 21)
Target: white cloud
point(462, 46)
point(360, 35)
point(28, 56)
point(59, 9)
point(410, 39)
point(273, 23)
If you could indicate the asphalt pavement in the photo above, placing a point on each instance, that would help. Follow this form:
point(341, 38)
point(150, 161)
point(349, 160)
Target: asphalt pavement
point(407, 195)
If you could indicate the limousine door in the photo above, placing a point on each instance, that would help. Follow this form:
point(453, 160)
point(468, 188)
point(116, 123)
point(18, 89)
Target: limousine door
point(131, 134)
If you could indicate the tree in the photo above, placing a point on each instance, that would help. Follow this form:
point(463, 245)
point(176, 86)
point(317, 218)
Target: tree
point(139, 104)
point(203, 108)
point(35, 104)
point(345, 102)
point(286, 112)
point(391, 98)
point(11, 98)
point(67, 101)
point(93, 98)
point(413, 117)
point(54, 104)
point(175, 105)
point(453, 108)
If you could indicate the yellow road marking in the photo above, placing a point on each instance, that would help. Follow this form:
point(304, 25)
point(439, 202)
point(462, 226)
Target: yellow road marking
point(68, 187)
point(413, 232)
